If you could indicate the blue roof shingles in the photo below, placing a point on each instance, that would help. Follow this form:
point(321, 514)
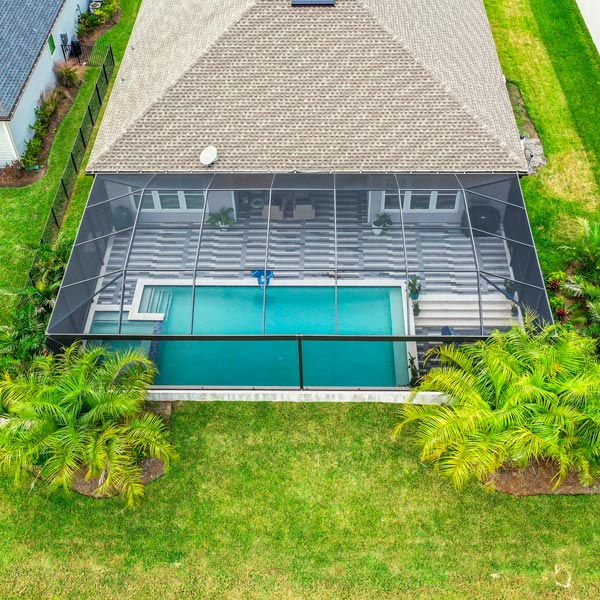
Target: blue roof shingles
point(24, 28)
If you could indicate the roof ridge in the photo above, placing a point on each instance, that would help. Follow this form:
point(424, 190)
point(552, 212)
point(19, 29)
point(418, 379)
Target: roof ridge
point(98, 157)
point(467, 109)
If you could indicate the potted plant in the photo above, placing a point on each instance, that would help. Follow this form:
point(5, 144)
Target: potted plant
point(514, 311)
point(416, 308)
point(222, 218)
point(413, 370)
point(381, 223)
point(414, 287)
point(510, 287)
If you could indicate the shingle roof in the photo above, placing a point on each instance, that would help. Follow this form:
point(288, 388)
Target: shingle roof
point(377, 85)
point(24, 28)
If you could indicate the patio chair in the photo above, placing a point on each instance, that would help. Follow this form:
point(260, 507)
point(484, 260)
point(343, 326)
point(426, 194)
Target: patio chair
point(277, 211)
point(447, 330)
point(304, 210)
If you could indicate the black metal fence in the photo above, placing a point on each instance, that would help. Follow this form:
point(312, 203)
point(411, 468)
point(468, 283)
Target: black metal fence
point(69, 176)
point(91, 56)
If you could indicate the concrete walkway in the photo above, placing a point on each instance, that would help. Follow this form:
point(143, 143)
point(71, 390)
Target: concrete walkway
point(590, 9)
point(390, 397)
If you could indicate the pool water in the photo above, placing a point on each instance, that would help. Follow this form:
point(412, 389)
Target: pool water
point(290, 310)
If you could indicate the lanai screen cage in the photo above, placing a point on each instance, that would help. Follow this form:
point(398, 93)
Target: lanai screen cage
point(295, 279)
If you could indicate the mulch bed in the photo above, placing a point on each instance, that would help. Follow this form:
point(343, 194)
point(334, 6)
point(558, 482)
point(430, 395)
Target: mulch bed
point(11, 177)
point(152, 468)
point(539, 479)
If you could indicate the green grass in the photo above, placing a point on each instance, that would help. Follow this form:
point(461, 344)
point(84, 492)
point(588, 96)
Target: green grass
point(25, 210)
point(546, 50)
point(296, 501)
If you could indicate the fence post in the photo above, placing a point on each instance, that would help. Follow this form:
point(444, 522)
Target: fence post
point(104, 71)
point(300, 366)
point(90, 113)
point(98, 94)
point(54, 217)
point(74, 164)
point(82, 138)
point(64, 187)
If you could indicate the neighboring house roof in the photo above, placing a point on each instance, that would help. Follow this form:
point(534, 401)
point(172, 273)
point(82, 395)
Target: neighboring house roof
point(24, 29)
point(371, 85)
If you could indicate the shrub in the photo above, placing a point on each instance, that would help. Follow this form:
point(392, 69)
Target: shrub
point(518, 397)
point(86, 23)
point(25, 338)
point(584, 250)
point(81, 413)
point(43, 115)
point(555, 281)
point(32, 150)
point(66, 75)
point(108, 9)
point(557, 302)
point(13, 170)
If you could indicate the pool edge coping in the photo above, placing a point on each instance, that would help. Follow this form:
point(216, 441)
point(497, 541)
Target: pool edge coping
point(400, 396)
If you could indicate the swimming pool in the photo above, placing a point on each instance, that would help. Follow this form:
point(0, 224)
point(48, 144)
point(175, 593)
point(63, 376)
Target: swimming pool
point(223, 310)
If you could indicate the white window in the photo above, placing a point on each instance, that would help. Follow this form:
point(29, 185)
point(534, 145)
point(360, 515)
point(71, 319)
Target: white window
point(391, 202)
point(173, 200)
point(435, 201)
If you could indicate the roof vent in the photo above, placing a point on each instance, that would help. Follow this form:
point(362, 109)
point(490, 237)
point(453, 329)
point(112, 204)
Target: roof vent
point(208, 156)
point(313, 2)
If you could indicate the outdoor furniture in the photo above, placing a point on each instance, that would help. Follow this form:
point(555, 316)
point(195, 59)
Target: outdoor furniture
point(276, 212)
point(304, 209)
point(447, 330)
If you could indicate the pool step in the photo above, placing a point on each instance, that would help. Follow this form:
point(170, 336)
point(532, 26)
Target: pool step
point(462, 311)
point(156, 301)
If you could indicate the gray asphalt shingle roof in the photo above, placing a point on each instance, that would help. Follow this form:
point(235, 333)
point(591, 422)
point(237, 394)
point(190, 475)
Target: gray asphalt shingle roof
point(24, 29)
point(372, 85)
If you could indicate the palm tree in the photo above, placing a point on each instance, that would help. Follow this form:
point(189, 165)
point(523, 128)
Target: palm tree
point(585, 312)
point(585, 248)
point(520, 396)
point(51, 259)
point(82, 409)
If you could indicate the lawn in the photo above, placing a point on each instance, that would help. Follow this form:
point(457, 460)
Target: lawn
point(546, 50)
point(297, 501)
point(25, 210)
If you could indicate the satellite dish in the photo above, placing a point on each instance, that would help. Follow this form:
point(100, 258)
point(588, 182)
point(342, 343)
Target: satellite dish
point(208, 155)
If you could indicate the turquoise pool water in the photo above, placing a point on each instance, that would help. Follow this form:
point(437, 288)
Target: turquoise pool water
point(290, 310)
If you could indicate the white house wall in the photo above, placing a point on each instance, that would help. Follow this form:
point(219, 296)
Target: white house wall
point(590, 9)
point(42, 78)
point(7, 149)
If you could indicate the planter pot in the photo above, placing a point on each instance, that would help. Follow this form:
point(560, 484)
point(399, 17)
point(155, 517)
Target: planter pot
point(377, 230)
point(414, 296)
point(224, 227)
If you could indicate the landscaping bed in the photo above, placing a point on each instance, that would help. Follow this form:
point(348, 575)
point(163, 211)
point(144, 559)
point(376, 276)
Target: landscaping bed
point(14, 176)
point(539, 479)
